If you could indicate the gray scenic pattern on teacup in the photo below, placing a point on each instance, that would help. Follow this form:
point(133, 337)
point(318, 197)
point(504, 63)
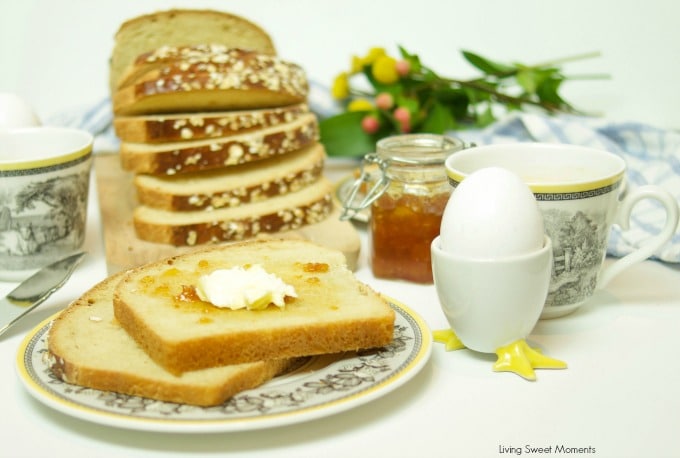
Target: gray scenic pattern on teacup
point(41, 217)
point(579, 240)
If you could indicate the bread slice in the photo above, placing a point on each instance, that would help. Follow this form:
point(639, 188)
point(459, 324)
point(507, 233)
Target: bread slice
point(232, 186)
point(166, 56)
point(333, 312)
point(308, 205)
point(171, 128)
point(236, 79)
point(87, 347)
point(194, 156)
point(183, 27)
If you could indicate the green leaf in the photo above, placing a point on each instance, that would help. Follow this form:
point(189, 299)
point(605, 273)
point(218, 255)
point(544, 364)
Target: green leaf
point(526, 78)
point(486, 65)
point(412, 59)
point(455, 100)
point(475, 96)
point(547, 92)
point(410, 104)
point(438, 120)
point(530, 79)
point(486, 117)
point(342, 135)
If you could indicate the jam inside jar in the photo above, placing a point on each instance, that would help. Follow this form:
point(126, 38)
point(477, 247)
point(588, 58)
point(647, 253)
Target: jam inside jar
point(402, 228)
point(407, 195)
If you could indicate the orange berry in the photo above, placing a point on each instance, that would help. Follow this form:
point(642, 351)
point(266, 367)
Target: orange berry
point(384, 101)
point(403, 67)
point(370, 124)
point(402, 115)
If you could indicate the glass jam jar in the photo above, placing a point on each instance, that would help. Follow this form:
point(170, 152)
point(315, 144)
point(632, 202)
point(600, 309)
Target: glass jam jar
point(407, 189)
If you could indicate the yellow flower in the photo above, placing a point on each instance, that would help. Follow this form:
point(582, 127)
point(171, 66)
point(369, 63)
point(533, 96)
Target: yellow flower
point(358, 63)
point(360, 105)
point(340, 89)
point(384, 70)
point(373, 55)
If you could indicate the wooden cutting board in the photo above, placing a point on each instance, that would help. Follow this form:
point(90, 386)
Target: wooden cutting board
point(124, 250)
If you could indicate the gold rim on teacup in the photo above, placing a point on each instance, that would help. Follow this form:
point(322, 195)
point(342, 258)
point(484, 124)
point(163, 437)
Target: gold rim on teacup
point(31, 143)
point(581, 180)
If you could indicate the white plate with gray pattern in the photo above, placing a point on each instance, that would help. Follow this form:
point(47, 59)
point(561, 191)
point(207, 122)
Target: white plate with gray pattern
point(321, 386)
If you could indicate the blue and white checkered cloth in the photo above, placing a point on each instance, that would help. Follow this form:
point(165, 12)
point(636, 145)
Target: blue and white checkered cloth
point(652, 154)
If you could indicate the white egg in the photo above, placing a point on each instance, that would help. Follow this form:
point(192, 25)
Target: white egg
point(491, 214)
point(16, 112)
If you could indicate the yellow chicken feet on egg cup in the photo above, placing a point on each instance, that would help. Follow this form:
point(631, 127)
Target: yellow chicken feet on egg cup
point(517, 357)
point(520, 358)
point(448, 338)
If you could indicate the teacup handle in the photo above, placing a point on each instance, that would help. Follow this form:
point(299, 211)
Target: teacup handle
point(655, 242)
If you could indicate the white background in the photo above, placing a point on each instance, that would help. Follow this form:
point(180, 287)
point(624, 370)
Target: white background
point(54, 52)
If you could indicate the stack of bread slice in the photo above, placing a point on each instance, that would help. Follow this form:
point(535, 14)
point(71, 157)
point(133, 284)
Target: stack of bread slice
point(217, 132)
point(146, 332)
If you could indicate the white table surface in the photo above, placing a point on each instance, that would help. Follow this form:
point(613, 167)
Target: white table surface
point(620, 395)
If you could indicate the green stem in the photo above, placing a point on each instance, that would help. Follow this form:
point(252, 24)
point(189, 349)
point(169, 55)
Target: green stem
point(564, 60)
point(594, 76)
point(549, 63)
point(496, 95)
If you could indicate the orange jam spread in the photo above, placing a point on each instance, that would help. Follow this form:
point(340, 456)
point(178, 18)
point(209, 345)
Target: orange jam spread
point(319, 267)
point(172, 272)
point(188, 294)
point(162, 290)
point(402, 230)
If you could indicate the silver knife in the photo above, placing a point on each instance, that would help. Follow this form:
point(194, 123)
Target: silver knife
point(36, 289)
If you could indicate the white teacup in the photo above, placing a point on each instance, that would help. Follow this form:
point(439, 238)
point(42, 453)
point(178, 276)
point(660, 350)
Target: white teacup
point(581, 193)
point(45, 175)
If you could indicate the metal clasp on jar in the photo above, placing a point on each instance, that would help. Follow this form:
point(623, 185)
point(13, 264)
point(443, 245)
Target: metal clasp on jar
point(354, 202)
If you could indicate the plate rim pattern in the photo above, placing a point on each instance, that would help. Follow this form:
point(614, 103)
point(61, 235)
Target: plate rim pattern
point(418, 342)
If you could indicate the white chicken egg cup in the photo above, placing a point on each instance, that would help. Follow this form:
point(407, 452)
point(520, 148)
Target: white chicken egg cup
point(492, 305)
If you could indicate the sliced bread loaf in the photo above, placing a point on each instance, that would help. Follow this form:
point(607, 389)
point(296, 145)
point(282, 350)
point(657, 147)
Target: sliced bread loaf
point(308, 205)
point(232, 186)
point(333, 312)
point(180, 27)
point(194, 156)
point(170, 128)
point(87, 347)
point(236, 79)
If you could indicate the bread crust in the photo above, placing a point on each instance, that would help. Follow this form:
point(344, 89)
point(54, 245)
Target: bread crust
point(232, 186)
point(187, 157)
point(278, 214)
point(236, 79)
point(197, 126)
